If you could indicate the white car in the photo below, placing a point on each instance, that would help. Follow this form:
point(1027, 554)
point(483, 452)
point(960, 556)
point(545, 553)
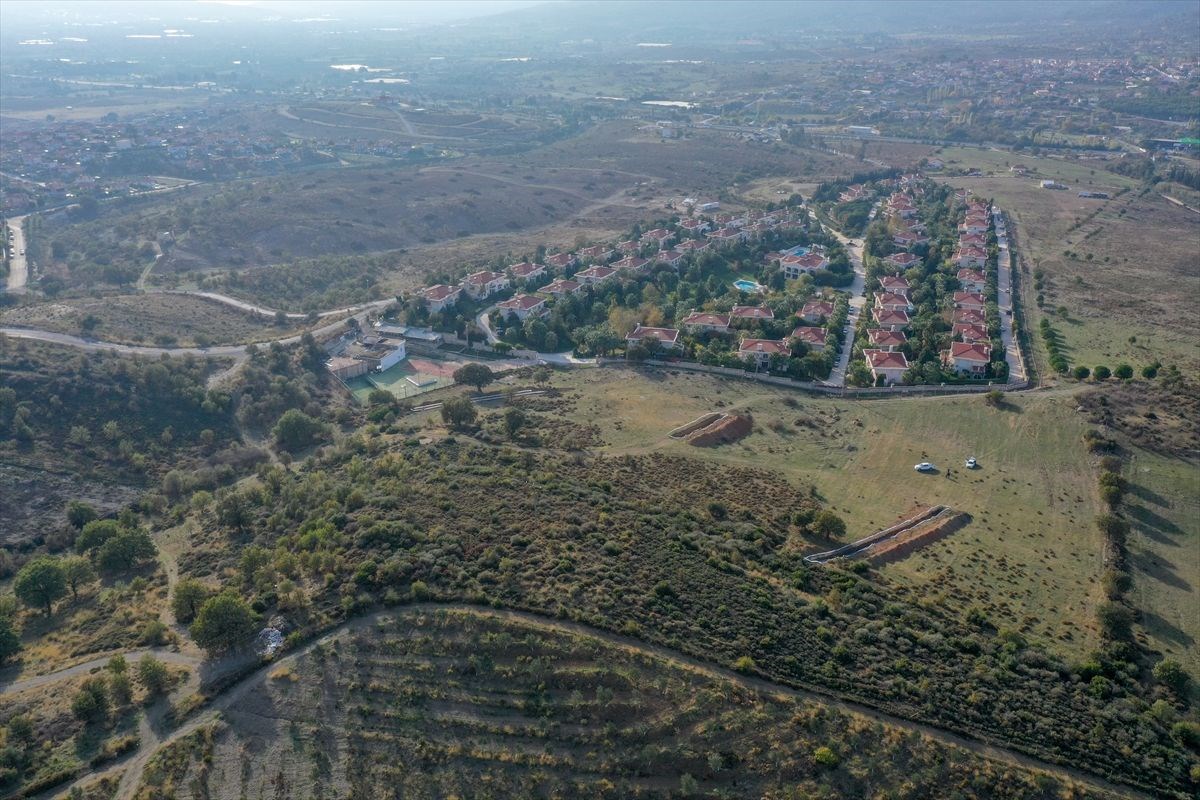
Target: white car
point(972, 463)
point(924, 466)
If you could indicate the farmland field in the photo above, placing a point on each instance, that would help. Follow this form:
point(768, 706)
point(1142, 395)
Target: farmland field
point(438, 703)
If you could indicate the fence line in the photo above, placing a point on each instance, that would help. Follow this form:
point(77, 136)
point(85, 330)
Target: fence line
point(820, 388)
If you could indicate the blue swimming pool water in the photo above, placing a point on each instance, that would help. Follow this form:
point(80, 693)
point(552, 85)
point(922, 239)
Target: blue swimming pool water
point(798, 250)
point(746, 286)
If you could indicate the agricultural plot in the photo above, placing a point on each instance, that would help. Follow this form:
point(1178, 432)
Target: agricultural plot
point(444, 703)
point(1030, 557)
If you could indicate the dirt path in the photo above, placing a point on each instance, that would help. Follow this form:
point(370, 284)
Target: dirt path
point(134, 764)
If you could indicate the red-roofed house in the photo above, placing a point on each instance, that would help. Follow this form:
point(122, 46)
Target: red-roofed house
point(560, 260)
point(968, 358)
point(596, 254)
point(666, 337)
point(693, 226)
point(970, 257)
point(892, 319)
point(812, 336)
point(972, 280)
point(631, 263)
point(970, 332)
point(672, 258)
point(972, 240)
point(760, 350)
point(726, 236)
point(562, 287)
point(750, 314)
point(628, 247)
point(594, 275)
point(440, 297)
point(892, 301)
point(523, 306)
point(894, 284)
point(795, 266)
point(484, 283)
point(903, 260)
point(910, 239)
point(526, 270)
point(659, 236)
point(699, 321)
point(816, 310)
point(882, 339)
point(890, 364)
point(692, 246)
point(969, 316)
point(973, 300)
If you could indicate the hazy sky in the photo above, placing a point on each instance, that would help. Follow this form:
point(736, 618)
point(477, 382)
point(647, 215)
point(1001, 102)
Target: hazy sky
point(399, 11)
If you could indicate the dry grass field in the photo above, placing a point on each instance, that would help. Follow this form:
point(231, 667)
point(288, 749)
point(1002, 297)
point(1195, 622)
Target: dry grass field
point(151, 318)
point(1030, 557)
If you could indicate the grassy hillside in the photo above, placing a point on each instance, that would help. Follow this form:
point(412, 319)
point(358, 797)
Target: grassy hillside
point(464, 703)
point(1031, 502)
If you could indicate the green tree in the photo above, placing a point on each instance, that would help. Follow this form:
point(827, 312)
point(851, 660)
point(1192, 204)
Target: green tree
point(187, 598)
point(233, 510)
point(80, 513)
point(1081, 373)
point(91, 704)
point(514, 420)
point(78, 572)
point(459, 412)
point(829, 525)
point(125, 551)
point(95, 534)
point(224, 621)
point(10, 642)
point(296, 430)
point(825, 756)
point(477, 375)
point(1170, 673)
point(1101, 373)
point(40, 583)
point(1123, 371)
point(152, 674)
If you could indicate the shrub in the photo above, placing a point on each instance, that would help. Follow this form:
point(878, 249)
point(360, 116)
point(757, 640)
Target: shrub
point(459, 412)
point(1102, 373)
point(745, 664)
point(91, 704)
point(825, 756)
point(1170, 673)
point(296, 430)
point(1123, 371)
point(223, 622)
point(152, 674)
point(1081, 373)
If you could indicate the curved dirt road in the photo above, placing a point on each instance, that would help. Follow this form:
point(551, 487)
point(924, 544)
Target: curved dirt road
point(134, 763)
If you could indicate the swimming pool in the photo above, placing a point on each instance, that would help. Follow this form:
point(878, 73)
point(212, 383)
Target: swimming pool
point(798, 250)
point(747, 286)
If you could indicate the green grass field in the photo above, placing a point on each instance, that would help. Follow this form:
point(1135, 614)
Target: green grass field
point(1164, 506)
point(1030, 557)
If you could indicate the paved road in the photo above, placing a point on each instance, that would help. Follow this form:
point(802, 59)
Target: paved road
point(1007, 304)
point(18, 274)
point(134, 764)
point(837, 377)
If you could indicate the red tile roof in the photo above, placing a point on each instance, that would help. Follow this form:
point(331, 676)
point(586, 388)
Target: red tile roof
point(599, 273)
point(890, 316)
point(970, 299)
point(664, 335)
point(970, 332)
point(971, 351)
point(707, 318)
point(439, 292)
point(525, 269)
point(971, 316)
point(810, 334)
point(763, 346)
point(560, 286)
point(885, 359)
point(524, 302)
point(751, 312)
point(820, 308)
point(885, 338)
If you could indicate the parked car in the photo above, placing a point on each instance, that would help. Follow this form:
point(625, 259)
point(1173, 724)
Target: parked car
point(924, 466)
point(972, 463)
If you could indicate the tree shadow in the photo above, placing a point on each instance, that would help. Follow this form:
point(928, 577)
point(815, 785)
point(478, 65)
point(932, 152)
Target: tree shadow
point(1159, 570)
point(1165, 629)
point(1150, 496)
point(1154, 525)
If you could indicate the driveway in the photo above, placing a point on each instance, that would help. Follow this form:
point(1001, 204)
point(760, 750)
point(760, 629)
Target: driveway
point(18, 273)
